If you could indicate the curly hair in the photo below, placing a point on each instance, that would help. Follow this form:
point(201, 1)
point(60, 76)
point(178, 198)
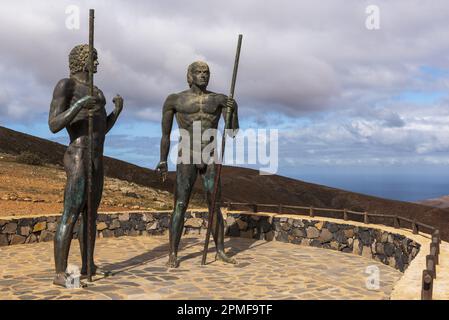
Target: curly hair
point(78, 58)
point(191, 67)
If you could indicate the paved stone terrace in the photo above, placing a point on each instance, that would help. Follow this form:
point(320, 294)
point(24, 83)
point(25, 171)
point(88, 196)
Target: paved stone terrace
point(410, 284)
point(266, 270)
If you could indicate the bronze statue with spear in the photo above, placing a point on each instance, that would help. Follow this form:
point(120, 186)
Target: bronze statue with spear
point(201, 108)
point(79, 107)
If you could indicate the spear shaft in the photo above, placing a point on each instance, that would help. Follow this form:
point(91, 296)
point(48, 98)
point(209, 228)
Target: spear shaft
point(218, 166)
point(90, 222)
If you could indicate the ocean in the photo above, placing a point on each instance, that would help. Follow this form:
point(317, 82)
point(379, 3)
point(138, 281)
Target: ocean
point(405, 187)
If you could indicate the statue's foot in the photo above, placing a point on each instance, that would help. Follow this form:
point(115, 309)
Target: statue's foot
point(60, 279)
point(172, 262)
point(221, 256)
point(96, 271)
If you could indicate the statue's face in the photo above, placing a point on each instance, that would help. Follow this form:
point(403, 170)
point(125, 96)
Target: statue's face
point(200, 76)
point(96, 63)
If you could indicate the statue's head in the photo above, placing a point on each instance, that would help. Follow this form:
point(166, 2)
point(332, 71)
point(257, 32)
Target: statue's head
point(198, 73)
point(79, 59)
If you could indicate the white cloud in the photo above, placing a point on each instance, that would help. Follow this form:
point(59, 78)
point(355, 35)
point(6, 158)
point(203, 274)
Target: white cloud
point(298, 59)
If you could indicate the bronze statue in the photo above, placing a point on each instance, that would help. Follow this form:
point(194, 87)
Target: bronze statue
point(195, 105)
point(69, 109)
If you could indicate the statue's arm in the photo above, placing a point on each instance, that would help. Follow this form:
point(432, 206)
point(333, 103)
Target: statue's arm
point(235, 119)
point(61, 114)
point(112, 117)
point(234, 125)
point(168, 113)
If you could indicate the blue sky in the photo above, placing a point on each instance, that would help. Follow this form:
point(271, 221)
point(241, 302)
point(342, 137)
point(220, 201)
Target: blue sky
point(344, 98)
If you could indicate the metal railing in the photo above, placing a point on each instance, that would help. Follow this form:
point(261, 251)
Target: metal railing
point(429, 273)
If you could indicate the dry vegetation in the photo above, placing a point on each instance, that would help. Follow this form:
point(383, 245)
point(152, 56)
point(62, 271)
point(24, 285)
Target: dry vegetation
point(38, 189)
point(30, 190)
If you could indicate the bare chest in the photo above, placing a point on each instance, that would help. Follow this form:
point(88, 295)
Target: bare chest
point(205, 109)
point(81, 91)
point(206, 105)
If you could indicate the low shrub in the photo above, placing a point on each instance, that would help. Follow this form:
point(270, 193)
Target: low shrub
point(27, 157)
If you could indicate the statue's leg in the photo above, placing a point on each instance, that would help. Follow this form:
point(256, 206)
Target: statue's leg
point(208, 177)
point(74, 201)
point(82, 238)
point(185, 179)
point(97, 188)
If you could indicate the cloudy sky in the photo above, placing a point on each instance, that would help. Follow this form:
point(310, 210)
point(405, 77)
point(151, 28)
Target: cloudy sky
point(344, 98)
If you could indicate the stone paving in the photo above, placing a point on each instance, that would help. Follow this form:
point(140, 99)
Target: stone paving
point(266, 270)
point(441, 283)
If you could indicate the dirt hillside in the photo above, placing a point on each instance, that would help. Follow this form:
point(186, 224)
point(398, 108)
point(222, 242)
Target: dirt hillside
point(239, 184)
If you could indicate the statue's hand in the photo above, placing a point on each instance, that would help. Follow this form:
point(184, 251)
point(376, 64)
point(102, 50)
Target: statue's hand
point(230, 103)
point(230, 106)
point(86, 101)
point(162, 169)
point(118, 102)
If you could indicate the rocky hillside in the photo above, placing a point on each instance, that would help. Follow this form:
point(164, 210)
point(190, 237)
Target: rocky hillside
point(239, 184)
point(39, 189)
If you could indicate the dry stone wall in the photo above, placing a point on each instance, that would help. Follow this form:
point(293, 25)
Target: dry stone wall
point(389, 248)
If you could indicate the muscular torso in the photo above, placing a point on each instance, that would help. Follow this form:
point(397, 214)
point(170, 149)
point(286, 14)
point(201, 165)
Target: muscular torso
point(78, 128)
point(205, 109)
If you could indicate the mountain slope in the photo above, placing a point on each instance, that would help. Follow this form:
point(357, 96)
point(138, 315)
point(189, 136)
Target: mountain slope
point(241, 184)
point(441, 202)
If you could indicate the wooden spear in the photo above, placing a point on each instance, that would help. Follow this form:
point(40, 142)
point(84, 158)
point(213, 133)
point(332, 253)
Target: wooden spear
point(90, 222)
point(218, 166)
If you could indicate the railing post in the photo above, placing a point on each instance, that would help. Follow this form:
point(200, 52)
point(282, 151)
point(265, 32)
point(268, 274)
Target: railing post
point(365, 217)
point(415, 226)
point(434, 252)
point(254, 208)
point(436, 234)
point(345, 214)
point(427, 286)
point(229, 205)
point(280, 209)
point(311, 213)
point(430, 265)
point(397, 223)
point(436, 243)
